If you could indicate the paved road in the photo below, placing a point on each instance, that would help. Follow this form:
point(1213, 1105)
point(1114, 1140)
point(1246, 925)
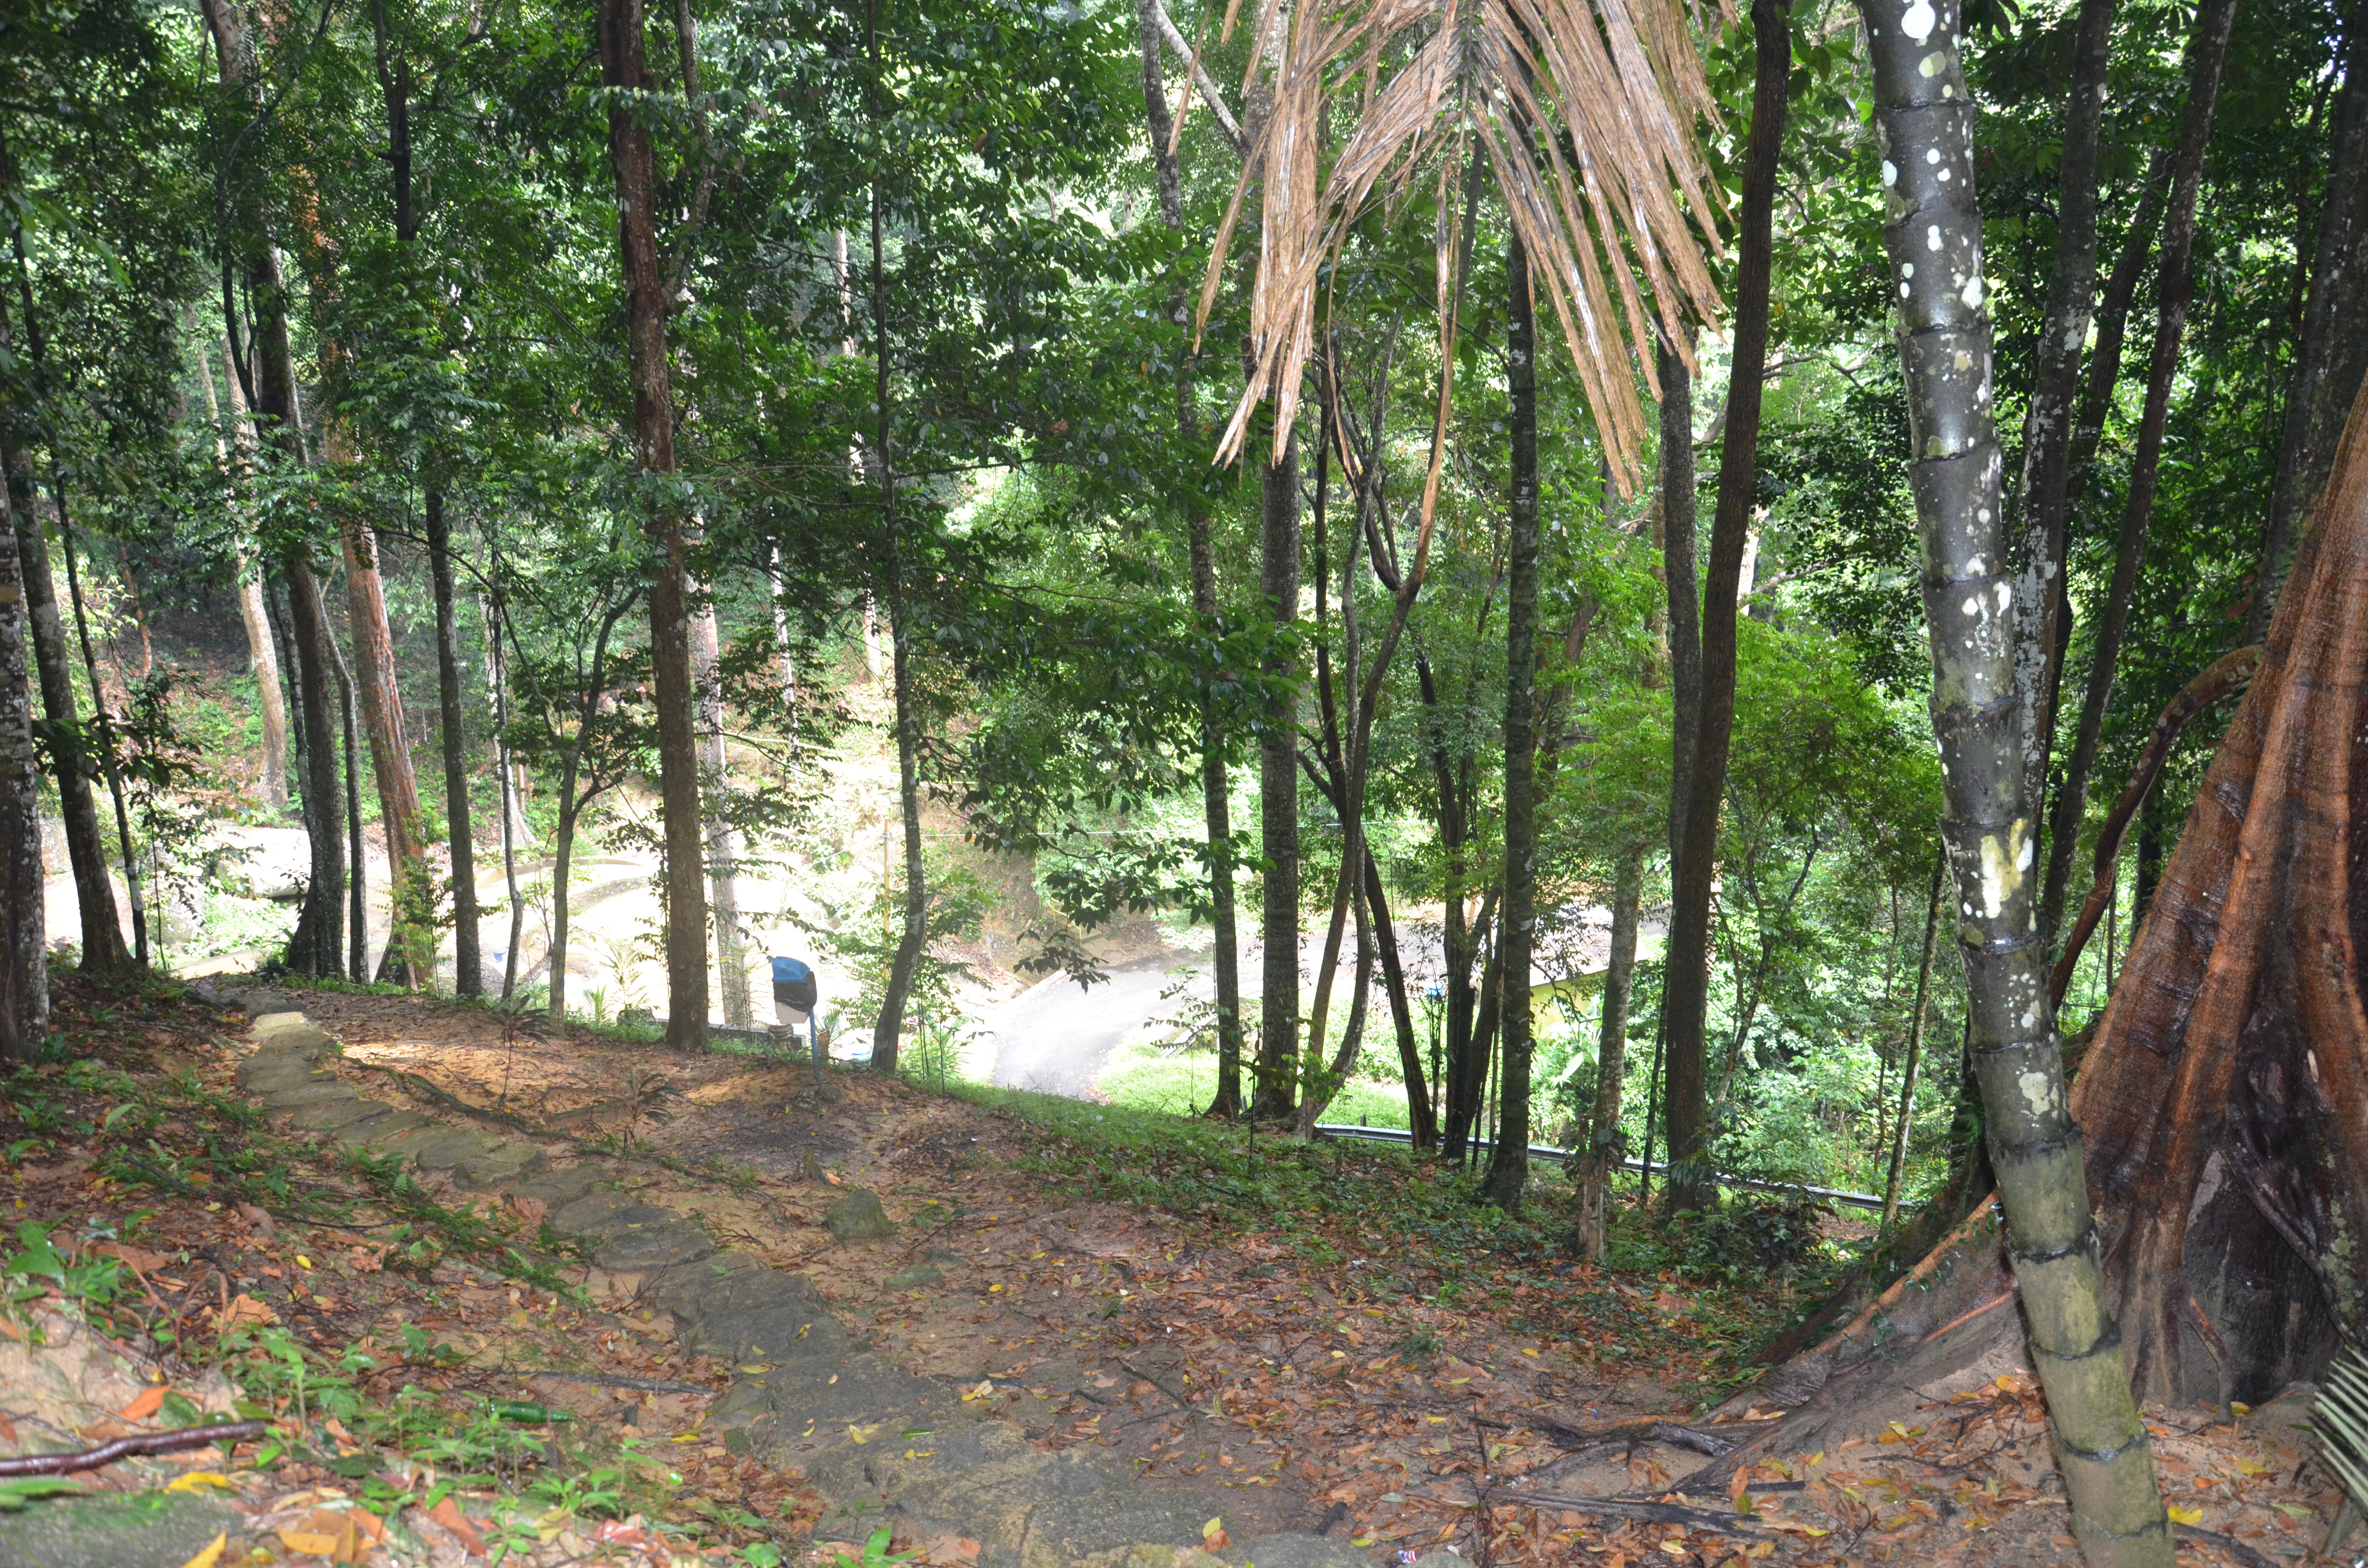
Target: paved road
point(1054, 1038)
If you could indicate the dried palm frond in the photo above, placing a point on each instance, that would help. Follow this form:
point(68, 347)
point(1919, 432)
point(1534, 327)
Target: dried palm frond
point(2340, 1416)
point(1583, 111)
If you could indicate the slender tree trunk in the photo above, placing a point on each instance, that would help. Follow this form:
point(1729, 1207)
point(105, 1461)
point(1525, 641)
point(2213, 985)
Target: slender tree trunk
point(2039, 497)
point(563, 856)
point(103, 951)
point(632, 159)
point(2330, 350)
point(317, 946)
point(356, 850)
point(262, 657)
point(513, 822)
point(270, 700)
point(2207, 52)
point(24, 937)
point(497, 686)
point(1682, 582)
point(915, 937)
point(1420, 1118)
point(1688, 995)
point(789, 664)
point(723, 843)
point(1604, 1143)
point(411, 890)
point(1277, 1054)
point(1924, 132)
point(467, 966)
point(1915, 1054)
point(1509, 1167)
point(1215, 797)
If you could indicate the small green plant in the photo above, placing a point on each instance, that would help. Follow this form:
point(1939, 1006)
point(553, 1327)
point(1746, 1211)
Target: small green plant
point(20, 1490)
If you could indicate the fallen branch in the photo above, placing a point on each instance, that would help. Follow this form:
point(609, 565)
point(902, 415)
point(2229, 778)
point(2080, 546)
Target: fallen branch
point(2229, 1544)
point(2223, 676)
point(129, 1447)
point(1650, 1430)
point(607, 1380)
point(1620, 1507)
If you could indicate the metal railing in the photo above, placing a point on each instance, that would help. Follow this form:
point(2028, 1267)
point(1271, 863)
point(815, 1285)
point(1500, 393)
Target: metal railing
point(1548, 1153)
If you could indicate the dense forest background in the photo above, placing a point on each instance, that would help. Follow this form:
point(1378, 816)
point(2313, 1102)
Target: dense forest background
point(321, 437)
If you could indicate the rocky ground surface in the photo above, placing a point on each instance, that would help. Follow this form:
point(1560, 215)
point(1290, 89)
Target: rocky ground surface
point(779, 1313)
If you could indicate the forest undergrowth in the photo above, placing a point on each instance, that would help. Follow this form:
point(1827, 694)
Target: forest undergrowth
point(1329, 1336)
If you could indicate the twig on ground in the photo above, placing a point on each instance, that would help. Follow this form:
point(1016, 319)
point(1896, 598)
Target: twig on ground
point(2227, 1543)
point(607, 1380)
point(1633, 1508)
point(1181, 1402)
point(128, 1447)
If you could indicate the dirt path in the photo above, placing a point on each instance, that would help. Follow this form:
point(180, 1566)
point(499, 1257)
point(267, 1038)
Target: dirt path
point(1015, 1344)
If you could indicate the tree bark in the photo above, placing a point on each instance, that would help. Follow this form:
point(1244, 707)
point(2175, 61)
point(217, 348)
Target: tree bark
point(411, 892)
point(1915, 1052)
point(1687, 996)
point(2223, 675)
point(1681, 579)
point(468, 965)
point(317, 946)
point(2330, 348)
point(1604, 1143)
point(723, 842)
point(356, 850)
point(2039, 495)
point(633, 163)
point(1421, 1120)
point(2207, 52)
point(1215, 797)
point(1509, 1164)
point(1924, 135)
point(23, 938)
point(513, 821)
point(1278, 1054)
point(263, 657)
point(103, 951)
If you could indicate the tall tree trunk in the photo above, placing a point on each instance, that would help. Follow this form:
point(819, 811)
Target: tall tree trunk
point(1277, 1054)
point(723, 842)
point(314, 948)
point(2225, 1095)
point(356, 850)
point(1216, 807)
point(2331, 348)
point(2039, 497)
point(1924, 133)
point(630, 158)
point(467, 966)
point(1421, 1119)
point(1456, 946)
point(1682, 582)
point(1604, 1143)
point(2207, 51)
point(103, 951)
point(1508, 1166)
point(262, 657)
point(271, 700)
point(1687, 997)
point(1914, 1051)
point(513, 821)
point(915, 934)
point(411, 888)
point(317, 946)
point(23, 938)
point(789, 664)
